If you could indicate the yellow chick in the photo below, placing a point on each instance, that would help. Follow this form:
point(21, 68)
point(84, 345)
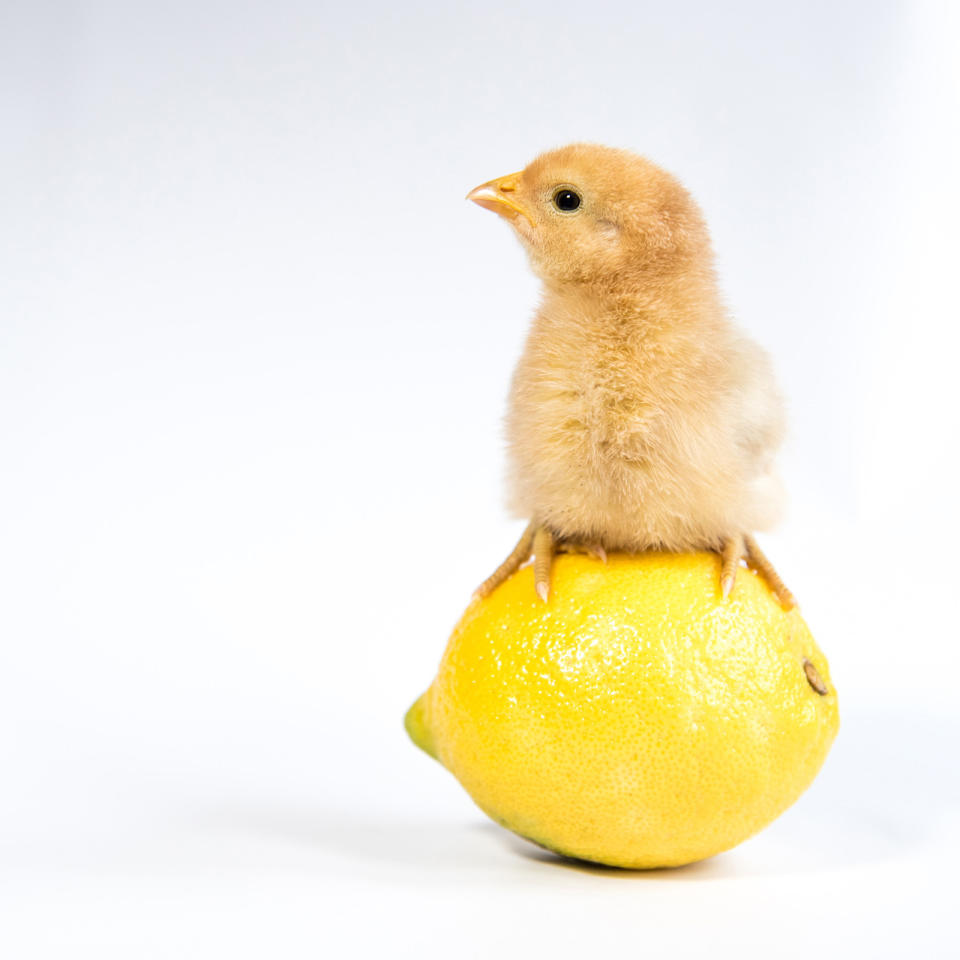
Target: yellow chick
point(639, 417)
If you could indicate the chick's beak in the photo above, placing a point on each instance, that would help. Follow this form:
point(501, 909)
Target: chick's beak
point(497, 195)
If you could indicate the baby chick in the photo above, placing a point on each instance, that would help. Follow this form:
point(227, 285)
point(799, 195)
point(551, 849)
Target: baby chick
point(639, 417)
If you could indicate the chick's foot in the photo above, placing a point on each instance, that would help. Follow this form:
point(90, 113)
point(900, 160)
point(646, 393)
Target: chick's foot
point(517, 558)
point(745, 548)
point(539, 542)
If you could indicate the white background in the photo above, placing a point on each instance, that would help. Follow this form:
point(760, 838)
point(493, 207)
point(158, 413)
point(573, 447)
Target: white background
point(254, 351)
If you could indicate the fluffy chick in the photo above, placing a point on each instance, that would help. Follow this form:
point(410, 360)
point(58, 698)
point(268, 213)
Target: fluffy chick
point(639, 417)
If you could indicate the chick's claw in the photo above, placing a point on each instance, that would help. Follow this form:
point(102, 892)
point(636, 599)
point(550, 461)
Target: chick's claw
point(543, 544)
point(757, 560)
point(733, 552)
point(594, 550)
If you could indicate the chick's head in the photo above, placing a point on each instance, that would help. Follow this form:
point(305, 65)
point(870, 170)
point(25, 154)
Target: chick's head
point(598, 215)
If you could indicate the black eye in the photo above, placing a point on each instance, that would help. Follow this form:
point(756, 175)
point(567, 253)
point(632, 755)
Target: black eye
point(566, 200)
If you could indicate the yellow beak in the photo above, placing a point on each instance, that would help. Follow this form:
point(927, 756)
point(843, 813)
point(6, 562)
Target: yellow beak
point(495, 195)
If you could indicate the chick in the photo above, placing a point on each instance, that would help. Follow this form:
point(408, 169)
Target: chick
point(639, 417)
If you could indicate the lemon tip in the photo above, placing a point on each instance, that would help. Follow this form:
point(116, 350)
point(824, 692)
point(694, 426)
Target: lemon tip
point(415, 723)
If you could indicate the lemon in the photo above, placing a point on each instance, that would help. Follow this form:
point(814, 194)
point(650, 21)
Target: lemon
point(637, 719)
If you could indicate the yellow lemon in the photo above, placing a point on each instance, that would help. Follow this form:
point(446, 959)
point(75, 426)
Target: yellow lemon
point(636, 719)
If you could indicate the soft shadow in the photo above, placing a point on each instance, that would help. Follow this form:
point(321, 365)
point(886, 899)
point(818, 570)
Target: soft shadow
point(352, 834)
point(461, 847)
point(715, 868)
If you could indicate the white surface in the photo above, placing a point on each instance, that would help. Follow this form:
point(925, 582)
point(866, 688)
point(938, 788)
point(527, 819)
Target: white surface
point(255, 349)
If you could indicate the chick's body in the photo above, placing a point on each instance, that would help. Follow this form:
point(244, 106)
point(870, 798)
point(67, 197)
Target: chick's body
point(638, 426)
point(639, 416)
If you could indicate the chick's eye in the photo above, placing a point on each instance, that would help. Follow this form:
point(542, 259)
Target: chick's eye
point(566, 200)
